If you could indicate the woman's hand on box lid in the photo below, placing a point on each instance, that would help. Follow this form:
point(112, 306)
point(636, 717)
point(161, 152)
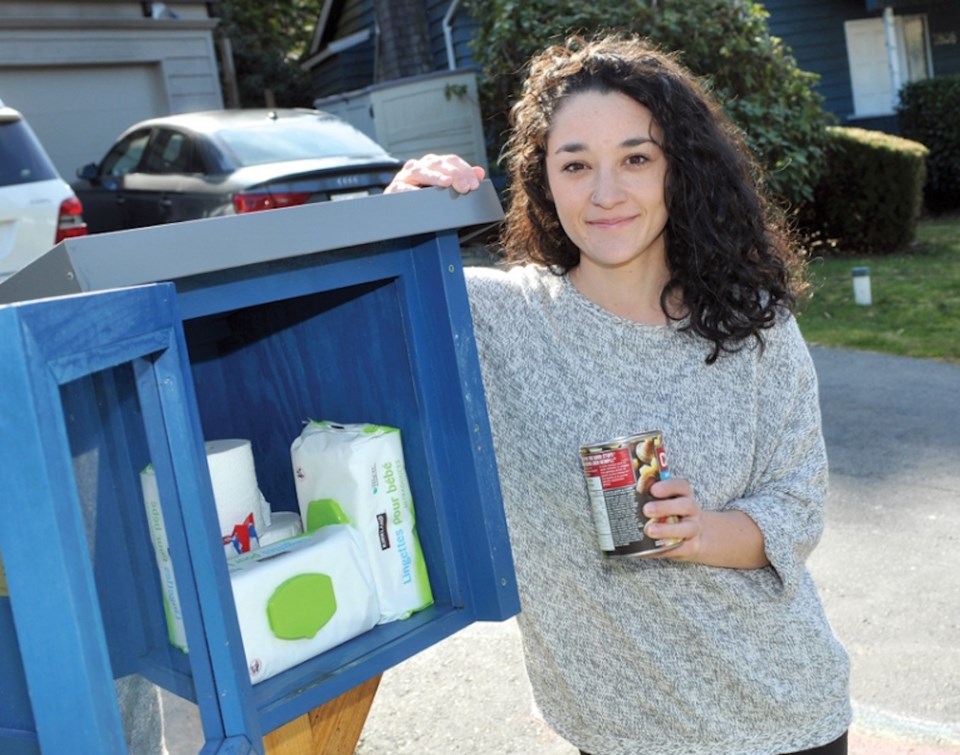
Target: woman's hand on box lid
point(437, 170)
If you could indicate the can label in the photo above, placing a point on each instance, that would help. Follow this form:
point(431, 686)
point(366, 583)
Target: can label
point(619, 474)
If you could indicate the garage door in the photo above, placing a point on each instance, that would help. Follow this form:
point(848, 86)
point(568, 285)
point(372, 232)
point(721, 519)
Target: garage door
point(78, 111)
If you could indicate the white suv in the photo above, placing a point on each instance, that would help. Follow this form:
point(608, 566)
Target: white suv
point(38, 209)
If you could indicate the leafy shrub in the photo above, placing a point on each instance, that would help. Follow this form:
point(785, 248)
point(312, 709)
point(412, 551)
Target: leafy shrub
point(266, 39)
point(727, 42)
point(871, 195)
point(928, 114)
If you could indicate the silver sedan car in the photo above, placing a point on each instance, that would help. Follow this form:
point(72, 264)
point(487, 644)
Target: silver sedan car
point(205, 164)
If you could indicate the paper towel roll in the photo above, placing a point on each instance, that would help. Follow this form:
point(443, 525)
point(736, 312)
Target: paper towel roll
point(242, 513)
point(284, 525)
point(240, 504)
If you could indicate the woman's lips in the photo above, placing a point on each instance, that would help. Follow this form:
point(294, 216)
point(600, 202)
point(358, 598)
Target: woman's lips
point(610, 222)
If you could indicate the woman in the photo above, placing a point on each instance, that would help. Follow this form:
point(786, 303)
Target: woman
point(653, 292)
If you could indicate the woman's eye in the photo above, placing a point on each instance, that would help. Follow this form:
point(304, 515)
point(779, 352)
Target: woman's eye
point(573, 167)
point(637, 160)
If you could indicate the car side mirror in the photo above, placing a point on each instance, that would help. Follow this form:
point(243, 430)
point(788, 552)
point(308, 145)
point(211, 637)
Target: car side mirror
point(89, 172)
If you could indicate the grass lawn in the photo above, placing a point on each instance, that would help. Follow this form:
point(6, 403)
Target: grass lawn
point(916, 298)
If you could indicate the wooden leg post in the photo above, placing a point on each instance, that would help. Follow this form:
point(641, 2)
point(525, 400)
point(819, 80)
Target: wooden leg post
point(332, 729)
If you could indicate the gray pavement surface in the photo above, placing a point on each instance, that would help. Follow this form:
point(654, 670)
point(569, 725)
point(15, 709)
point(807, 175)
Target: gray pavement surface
point(888, 569)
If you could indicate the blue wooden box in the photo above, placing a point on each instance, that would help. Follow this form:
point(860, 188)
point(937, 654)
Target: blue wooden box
point(352, 311)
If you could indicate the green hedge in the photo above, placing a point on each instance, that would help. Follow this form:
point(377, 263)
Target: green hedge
point(871, 195)
point(928, 113)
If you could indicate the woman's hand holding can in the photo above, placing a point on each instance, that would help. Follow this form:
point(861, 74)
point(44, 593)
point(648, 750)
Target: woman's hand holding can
point(674, 514)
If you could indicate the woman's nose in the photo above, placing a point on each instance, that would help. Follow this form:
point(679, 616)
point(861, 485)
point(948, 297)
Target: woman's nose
point(606, 190)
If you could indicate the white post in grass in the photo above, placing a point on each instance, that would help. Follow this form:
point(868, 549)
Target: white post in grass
point(861, 286)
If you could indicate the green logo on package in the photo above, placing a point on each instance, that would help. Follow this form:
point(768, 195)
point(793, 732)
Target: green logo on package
point(324, 511)
point(301, 606)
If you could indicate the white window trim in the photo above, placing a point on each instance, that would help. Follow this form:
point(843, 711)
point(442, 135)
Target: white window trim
point(893, 36)
point(337, 46)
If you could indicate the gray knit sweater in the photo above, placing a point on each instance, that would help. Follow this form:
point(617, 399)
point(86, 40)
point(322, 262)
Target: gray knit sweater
point(655, 656)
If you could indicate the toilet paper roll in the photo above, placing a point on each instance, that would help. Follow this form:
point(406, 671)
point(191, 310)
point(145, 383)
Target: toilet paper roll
point(283, 525)
point(241, 507)
point(242, 512)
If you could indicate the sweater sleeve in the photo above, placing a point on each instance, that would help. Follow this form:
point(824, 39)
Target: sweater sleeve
point(787, 493)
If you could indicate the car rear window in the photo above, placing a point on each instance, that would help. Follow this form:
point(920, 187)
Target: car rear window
point(22, 159)
point(281, 141)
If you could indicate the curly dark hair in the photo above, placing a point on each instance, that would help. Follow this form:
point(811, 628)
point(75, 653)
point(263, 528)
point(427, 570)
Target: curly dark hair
point(730, 253)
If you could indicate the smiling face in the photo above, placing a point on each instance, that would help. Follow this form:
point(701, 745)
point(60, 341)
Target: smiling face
point(605, 175)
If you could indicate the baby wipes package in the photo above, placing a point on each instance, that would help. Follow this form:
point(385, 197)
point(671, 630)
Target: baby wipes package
point(354, 474)
point(176, 631)
point(300, 597)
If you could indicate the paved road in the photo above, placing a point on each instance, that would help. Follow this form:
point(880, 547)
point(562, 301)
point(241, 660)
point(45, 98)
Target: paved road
point(889, 563)
point(888, 568)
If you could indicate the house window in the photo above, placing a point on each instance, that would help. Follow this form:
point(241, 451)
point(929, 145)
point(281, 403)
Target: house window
point(884, 54)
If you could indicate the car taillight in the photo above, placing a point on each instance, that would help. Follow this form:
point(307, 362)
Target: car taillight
point(255, 201)
point(70, 223)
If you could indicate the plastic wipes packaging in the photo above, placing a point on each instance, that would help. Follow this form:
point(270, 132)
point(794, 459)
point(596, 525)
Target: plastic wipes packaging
point(300, 597)
point(161, 549)
point(354, 474)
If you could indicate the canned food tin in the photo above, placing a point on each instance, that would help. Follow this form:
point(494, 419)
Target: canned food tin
point(619, 474)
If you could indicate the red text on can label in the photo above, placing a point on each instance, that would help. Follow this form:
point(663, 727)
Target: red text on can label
point(619, 474)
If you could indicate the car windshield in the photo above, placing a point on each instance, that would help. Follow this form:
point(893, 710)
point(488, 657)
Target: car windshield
point(22, 159)
point(282, 141)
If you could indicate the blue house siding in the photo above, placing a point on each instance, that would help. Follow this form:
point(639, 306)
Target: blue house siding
point(462, 30)
point(351, 68)
point(814, 31)
point(945, 39)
